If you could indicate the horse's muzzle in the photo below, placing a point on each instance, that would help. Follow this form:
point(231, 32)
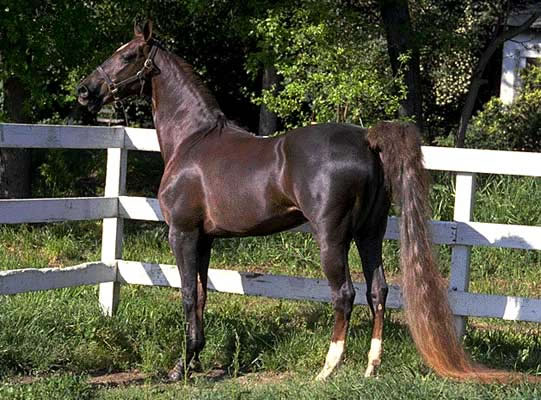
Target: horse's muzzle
point(83, 94)
point(89, 98)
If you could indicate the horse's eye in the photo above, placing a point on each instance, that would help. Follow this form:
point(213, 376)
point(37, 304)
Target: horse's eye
point(128, 57)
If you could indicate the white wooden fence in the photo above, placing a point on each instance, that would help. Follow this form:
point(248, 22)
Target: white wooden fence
point(115, 206)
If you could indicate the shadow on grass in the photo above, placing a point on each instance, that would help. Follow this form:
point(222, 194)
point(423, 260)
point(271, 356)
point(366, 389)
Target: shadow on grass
point(294, 337)
point(504, 349)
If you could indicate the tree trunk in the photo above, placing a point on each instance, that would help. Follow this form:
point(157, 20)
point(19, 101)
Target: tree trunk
point(268, 121)
point(400, 41)
point(477, 76)
point(14, 163)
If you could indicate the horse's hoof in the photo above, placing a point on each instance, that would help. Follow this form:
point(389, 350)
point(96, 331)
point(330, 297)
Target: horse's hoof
point(320, 377)
point(372, 371)
point(369, 373)
point(176, 374)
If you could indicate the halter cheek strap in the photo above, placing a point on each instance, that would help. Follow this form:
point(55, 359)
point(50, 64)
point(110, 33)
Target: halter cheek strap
point(148, 67)
point(110, 84)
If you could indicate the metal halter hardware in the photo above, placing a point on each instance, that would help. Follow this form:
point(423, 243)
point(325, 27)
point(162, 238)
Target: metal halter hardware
point(148, 67)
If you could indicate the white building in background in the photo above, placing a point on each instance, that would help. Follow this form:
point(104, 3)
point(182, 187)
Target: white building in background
point(519, 52)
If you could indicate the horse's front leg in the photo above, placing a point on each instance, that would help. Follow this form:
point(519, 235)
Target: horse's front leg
point(192, 250)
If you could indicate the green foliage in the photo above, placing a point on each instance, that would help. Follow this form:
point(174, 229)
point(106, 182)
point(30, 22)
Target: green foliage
point(332, 65)
point(62, 387)
point(43, 44)
point(68, 173)
point(451, 36)
point(331, 58)
point(50, 45)
point(511, 127)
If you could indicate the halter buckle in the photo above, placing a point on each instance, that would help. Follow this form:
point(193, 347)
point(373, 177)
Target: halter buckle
point(148, 64)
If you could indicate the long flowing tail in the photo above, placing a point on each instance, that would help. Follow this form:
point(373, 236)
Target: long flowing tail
point(427, 310)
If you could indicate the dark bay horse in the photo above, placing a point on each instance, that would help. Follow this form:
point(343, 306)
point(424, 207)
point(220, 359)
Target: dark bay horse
point(221, 181)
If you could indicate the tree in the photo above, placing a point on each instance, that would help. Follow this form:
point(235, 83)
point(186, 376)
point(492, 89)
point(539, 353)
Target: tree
point(500, 35)
point(14, 163)
point(37, 48)
point(401, 42)
point(48, 46)
point(459, 46)
point(268, 120)
point(335, 60)
point(332, 64)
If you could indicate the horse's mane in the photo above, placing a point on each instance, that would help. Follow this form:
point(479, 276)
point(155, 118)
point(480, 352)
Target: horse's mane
point(195, 79)
point(206, 95)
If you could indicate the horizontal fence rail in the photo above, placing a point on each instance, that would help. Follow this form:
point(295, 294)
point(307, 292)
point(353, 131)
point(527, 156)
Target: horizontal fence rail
point(482, 161)
point(443, 232)
point(55, 210)
point(295, 288)
point(99, 137)
point(61, 136)
point(461, 234)
point(34, 279)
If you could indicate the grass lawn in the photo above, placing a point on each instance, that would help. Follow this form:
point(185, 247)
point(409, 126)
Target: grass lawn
point(57, 345)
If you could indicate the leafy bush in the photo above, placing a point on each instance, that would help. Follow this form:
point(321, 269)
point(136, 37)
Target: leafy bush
point(332, 64)
point(516, 126)
point(67, 173)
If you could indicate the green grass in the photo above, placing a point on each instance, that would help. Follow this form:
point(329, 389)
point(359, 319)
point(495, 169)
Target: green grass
point(266, 348)
point(346, 385)
point(65, 387)
point(51, 342)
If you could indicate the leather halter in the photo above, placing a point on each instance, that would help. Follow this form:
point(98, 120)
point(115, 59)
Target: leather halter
point(148, 68)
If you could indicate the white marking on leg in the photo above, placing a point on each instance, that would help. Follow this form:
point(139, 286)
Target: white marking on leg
point(374, 357)
point(334, 357)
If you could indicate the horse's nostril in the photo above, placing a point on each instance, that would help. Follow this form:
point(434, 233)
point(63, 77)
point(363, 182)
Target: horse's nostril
point(82, 91)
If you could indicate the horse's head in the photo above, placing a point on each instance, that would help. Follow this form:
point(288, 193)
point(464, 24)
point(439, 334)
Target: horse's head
point(123, 74)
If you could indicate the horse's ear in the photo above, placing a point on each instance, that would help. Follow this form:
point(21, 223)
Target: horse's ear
point(143, 30)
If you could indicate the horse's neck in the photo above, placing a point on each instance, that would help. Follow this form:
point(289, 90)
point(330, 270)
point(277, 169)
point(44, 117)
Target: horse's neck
point(181, 106)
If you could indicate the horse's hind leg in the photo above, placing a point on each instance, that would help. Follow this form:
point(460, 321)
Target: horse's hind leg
point(334, 260)
point(204, 245)
point(192, 252)
point(376, 293)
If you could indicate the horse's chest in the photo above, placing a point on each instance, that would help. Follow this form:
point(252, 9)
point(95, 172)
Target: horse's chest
point(181, 200)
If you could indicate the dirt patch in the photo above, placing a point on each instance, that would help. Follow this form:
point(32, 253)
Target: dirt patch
point(118, 378)
point(23, 380)
point(263, 378)
point(98, 379)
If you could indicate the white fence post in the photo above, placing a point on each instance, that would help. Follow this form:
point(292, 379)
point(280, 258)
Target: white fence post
point(113, 228)
point(460, 257)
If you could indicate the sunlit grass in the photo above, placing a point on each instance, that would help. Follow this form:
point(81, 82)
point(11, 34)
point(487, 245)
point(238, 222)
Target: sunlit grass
point(266, 348)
